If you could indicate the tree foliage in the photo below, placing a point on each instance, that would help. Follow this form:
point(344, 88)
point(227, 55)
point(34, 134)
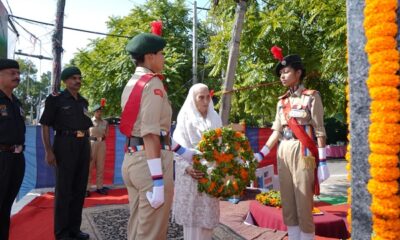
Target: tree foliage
point(107, 66)
point(316, 30)
point(30, 91)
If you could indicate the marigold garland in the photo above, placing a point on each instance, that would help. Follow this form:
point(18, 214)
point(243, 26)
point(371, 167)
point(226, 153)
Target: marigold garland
point(348, 152)
point(227, 162)
point(381, 27)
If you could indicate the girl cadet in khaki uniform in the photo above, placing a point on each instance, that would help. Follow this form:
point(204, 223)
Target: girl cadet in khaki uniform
point(296, 157)
point(97, 138)
point(147, 168)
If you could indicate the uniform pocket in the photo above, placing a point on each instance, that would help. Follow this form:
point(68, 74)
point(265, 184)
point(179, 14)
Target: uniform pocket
point(66, 110)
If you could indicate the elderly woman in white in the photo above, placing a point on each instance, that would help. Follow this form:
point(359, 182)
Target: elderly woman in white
point(197, 212)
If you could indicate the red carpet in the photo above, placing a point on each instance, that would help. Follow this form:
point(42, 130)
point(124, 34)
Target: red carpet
point(35, 220)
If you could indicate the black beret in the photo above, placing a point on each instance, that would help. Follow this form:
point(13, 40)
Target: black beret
point(69, 71)
point(145, 43)
point(8, 63)
point(289, 60)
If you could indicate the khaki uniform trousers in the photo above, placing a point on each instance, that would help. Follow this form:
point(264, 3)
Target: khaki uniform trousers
point(296, 186)
point(145, 222)
point(97, 157)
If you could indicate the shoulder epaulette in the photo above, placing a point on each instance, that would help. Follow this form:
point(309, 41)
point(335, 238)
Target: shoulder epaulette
point(55, 94)
point(284, 95)
point(308, 92)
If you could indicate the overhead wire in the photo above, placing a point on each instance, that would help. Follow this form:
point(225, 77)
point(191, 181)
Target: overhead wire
point(71, 28)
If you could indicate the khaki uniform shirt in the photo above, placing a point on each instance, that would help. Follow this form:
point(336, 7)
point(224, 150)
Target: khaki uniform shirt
point(155, 109)
point(99, 128)
point(313, 114)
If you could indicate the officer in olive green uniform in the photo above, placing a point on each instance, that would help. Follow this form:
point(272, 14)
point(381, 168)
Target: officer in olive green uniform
point(68, 114)
point(12, 139)
point(98, 135)
point(296, 165)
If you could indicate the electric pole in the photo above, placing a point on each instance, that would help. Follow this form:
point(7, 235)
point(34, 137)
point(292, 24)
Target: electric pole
point(194, 69)
point(57, 46)
point(232, 62)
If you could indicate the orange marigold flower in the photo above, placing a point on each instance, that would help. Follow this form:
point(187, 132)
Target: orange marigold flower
point(387, 67)
point(384, 148)
point(379, 133)
point(381, 6)
point(382, 160)
point(385, 106)
point(379, 18)
point(381, 80)
point(203, 180)
point(380, 44)
point(382, 189)
point(385, 117)
point(383, 29)
point(385, 174)
point(218, 132)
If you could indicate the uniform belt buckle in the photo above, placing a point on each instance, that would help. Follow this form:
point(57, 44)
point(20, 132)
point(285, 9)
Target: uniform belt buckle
point(18, 148)
point(80, 134)
point(287, 134)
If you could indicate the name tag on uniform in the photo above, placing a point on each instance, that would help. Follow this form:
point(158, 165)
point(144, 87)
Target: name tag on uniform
point(86, 112)
point(297, 113)
point(22, 112)
point(3, 110)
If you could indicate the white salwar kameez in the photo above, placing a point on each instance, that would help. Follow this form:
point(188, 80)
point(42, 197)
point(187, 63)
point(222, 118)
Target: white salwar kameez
point(197, 212)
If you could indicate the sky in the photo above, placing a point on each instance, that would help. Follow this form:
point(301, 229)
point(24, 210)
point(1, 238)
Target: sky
point(83, 14)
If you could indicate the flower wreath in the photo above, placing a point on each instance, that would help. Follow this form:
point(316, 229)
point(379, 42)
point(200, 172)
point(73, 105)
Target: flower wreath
point(227, 162)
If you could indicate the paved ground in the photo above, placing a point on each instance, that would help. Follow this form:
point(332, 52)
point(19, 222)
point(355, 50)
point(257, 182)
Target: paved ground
point(337, 183)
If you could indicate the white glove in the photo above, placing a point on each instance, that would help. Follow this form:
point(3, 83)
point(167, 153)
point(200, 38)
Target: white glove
point(262, 153)
point(323, 170)
point(156, 198)
point(185, 153)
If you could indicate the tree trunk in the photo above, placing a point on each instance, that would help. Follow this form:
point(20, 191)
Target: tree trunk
point(232, 63)
point(57, 46)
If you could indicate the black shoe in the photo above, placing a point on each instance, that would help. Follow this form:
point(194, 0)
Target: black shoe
point(81, 236)
point(87, 194)
point(102, 191)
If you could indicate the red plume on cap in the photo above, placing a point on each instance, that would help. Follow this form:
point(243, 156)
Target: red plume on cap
point(277, 52)
point(102, 102)
point(156, 28)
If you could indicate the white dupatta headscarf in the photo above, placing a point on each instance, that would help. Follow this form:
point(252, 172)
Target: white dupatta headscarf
point(191, 124)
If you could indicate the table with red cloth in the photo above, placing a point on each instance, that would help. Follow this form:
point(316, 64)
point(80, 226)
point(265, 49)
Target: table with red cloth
point(326, 225)
point(333, 151)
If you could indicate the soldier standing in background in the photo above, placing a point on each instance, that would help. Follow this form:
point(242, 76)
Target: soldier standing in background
point(12, 139)
point(67, 112)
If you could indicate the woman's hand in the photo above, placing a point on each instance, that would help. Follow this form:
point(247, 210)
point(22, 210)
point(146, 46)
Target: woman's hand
point(195, 174)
